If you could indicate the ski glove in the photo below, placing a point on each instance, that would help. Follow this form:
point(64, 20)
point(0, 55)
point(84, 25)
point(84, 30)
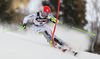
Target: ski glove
point(23, 26)
point(54, 20)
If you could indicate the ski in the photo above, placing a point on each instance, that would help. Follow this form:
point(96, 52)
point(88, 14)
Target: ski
point(75, 53)
point(66, 49)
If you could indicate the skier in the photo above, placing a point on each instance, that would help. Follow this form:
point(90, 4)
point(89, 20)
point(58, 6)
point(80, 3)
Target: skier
point(40, 27)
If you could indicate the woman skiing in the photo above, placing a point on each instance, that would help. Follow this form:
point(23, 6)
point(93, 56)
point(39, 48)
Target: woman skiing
point(40, 27)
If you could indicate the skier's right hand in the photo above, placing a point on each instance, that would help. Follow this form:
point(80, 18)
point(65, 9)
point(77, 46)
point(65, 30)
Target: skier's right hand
point(23, 26)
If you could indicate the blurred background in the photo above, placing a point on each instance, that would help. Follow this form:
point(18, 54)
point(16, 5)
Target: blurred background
point(83, 14)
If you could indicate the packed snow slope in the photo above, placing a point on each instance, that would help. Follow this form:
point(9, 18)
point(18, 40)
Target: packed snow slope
point(24, 44)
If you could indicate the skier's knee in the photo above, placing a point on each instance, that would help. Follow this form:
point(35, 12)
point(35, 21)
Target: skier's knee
point(46, 32)
point(56, 40)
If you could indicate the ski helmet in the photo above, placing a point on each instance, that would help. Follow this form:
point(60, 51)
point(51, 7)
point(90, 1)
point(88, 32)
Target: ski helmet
point(46, 10)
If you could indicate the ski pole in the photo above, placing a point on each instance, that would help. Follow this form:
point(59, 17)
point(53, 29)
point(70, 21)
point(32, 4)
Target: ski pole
point(14, 29)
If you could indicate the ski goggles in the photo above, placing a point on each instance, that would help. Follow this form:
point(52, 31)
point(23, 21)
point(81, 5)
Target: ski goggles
point(45, 13)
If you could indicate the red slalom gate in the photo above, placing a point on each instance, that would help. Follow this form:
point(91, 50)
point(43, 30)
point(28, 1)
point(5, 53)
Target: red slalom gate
point(52, 41)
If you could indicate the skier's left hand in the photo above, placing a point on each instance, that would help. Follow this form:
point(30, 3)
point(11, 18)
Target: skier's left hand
point(54, 20)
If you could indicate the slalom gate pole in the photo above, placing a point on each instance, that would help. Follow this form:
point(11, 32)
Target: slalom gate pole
point(52, 41)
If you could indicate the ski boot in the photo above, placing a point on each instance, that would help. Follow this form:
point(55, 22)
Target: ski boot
point(57, 41)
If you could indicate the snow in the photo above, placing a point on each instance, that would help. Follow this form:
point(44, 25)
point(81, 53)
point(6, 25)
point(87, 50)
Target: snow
point(26, 45)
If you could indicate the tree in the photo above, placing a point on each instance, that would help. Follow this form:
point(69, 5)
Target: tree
point(95, 26)
point(92, 15)
point(4, 14)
